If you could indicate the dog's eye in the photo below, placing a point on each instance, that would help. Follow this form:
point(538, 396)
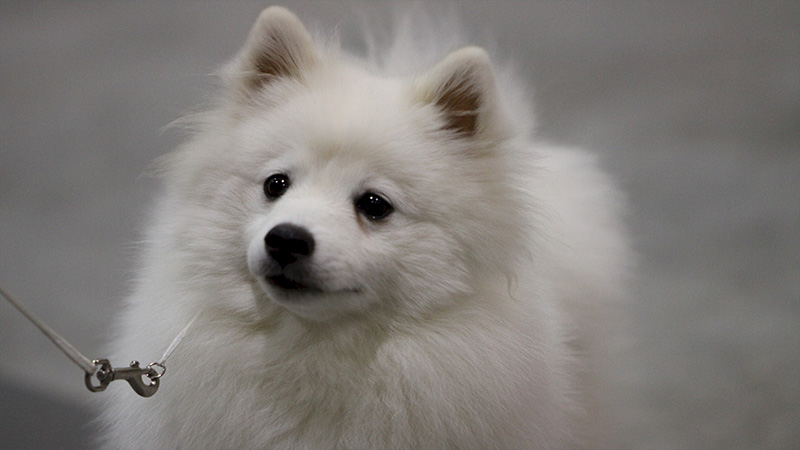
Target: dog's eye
point(373, 206)
point(276, 185)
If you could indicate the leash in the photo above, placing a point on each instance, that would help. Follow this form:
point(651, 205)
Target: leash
point(101, 370)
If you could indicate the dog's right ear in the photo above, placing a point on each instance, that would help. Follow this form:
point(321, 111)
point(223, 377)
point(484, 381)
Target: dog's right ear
point(462, 87)
point(278, 47)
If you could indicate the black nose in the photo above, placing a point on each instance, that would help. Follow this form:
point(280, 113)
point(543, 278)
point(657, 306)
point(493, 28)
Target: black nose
point(287, 243)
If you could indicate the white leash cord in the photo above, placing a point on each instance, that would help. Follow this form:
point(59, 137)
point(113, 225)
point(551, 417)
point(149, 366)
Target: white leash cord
point(101, 369)
point(176, 342)
point(83, 362)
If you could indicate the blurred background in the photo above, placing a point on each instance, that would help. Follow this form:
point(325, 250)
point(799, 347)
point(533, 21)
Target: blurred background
point(693, 106)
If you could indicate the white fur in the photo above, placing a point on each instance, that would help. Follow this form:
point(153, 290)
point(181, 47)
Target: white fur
point(448, 324)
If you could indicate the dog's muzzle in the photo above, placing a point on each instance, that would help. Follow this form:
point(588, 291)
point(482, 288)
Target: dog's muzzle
point(289, 247)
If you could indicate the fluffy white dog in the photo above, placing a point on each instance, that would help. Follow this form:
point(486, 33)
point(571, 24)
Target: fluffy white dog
point(374, 261)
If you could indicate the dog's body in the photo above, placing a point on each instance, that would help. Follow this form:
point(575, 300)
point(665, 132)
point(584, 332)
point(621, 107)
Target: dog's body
point(372, 261)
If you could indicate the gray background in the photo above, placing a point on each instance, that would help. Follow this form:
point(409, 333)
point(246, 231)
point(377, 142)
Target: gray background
point(695, 108)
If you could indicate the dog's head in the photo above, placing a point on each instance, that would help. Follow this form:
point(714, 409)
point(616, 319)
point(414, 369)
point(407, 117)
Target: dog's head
point(351, 192)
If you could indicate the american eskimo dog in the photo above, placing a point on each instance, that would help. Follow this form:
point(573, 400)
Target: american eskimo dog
point(374, 260)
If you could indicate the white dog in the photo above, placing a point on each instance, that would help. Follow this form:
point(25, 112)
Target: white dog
point(374, 261)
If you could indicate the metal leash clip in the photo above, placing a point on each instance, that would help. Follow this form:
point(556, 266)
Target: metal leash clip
point(132, 374)
point(101, 369)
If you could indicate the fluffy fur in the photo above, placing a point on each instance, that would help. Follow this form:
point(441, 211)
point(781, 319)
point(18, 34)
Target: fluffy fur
point(459, 320)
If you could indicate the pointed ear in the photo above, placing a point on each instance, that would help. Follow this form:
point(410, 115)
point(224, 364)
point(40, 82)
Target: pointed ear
point(278, 46)
point(462, 86)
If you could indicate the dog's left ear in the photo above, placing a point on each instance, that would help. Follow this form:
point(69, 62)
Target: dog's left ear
point(463, 87)
point(278, 47)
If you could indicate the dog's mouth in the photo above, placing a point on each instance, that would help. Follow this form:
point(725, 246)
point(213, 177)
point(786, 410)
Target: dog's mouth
point(287, 284)
point(284, 282)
